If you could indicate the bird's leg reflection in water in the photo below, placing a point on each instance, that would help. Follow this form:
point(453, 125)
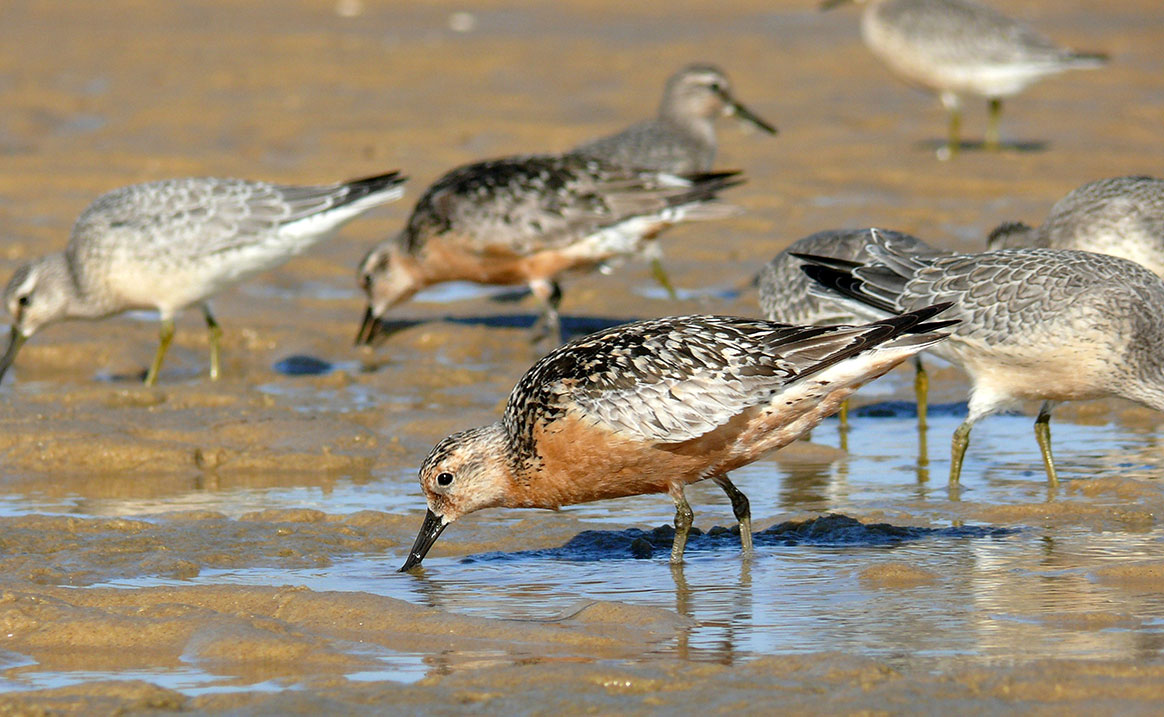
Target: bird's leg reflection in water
point(813, 485)
point(923, 460)
point(728, 617)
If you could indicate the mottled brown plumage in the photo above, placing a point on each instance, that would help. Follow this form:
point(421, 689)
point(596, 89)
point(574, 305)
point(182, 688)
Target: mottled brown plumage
point(652, 406)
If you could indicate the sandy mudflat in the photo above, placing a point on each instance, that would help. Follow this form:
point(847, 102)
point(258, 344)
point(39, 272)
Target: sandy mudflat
point(232, 546)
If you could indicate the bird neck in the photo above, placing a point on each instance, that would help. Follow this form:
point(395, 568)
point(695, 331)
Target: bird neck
point(70, 295)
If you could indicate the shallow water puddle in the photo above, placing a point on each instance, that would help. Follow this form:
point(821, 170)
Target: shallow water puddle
point(1001, 569)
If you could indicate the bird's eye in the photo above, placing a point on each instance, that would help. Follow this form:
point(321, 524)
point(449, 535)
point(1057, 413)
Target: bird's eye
point(445, 479)
point(24, 300)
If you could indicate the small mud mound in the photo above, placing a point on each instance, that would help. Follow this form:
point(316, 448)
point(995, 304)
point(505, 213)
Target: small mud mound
point(300, 365)
point(831, 529)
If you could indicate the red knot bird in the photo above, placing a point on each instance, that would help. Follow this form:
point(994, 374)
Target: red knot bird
point(652, 406)
point(1048, 325)
point(527, 220)
point(681, 138)
point(1121, 216)
point(962, 47)
point(171, 244)
point(784, 291)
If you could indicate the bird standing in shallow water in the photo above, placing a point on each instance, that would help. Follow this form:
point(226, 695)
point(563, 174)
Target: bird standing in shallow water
point(174, 243)
point(1036, 324)
point(959, 47)
point(527, 220)
point(784, 291)
point(1120, 216)
point(681, 138)
point(652, 406)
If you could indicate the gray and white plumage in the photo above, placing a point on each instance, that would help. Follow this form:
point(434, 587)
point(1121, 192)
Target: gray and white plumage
point(1121, 216)
point(784, 289)
point(963, 46)
point(528, 220)
point(653, 406)
point(960, 47)
point(681, 138)
point(171, 244)
point(1036, 324)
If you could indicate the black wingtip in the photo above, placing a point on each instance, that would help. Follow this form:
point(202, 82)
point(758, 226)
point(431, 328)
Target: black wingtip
point(359, 188)
point(829, 261)
point(845, 284)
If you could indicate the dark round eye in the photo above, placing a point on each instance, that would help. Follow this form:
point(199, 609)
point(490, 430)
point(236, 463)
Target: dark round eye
point(445, 479)
point(24, 300)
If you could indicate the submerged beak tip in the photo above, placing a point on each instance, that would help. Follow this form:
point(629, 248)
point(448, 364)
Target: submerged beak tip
point(430, 530)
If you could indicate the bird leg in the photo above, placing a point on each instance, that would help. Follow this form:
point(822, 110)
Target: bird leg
point(958, 449)
point(954, 136)
point(548, 292)
point(921, 387)
point(167, 335)
point(1043, 436)
point(843, 415)
point(215, 332)
point(993, 135)
point(742, 510)
point(661, 276)
point(684, 517)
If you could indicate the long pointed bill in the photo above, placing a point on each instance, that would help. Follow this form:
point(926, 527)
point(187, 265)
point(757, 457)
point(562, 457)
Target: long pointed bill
point(735, 108)
point(15, 341)
point(430, 530)
point(367, 328)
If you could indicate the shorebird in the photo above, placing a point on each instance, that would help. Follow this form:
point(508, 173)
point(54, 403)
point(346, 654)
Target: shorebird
point(1050, 325)
point(171, 244)
point(527, 220)
point(785, 297)
point(1121, 216)
point(680, 139)
point(960, 47)
point(652, 406)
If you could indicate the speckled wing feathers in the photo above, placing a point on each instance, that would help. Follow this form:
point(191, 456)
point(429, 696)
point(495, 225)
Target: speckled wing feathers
point(1000, 297)
point(672, 380)
point(521, 205)
point(785, 290)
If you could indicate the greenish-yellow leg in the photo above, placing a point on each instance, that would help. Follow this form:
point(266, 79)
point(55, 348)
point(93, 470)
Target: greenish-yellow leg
point(166, 335)
point(215, 332)
point(1043, 436)
point(993, 136)
point(921, 387)
point(742, 510)
point(954, 137)
point(843, 415)
point(661, 276)
point(958, 450)
point(684, 517)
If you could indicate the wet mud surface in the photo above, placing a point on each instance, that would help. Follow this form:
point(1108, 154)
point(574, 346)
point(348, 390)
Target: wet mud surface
point(232, 546)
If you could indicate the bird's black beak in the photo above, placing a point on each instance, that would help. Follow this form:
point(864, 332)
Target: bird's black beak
point(367, 328)
point(430, 530)
point(734, 107)
point(15, 341)
point(830, 4)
